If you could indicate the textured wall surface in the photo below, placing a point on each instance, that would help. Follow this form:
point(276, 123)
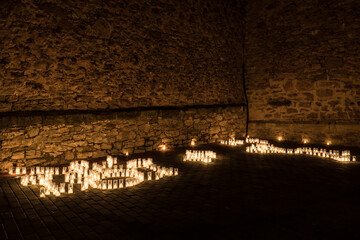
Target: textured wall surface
point(89, 54)
point(302, 60)
point(66, 139)
point(303, 67)
point(62, 63)
point(336, 134)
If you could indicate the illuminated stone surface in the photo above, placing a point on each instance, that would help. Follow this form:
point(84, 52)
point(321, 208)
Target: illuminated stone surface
point(301, 69)
point(65, 55)
point(132, 132)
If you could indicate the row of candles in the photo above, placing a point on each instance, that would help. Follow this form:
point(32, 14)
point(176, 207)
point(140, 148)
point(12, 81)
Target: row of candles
point(199, 156)
point(109, 174)
point(264, 146)
point(232, 142)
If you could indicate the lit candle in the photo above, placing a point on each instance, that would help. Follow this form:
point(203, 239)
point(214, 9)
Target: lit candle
point(70, 188)
point(42, 192)
point(62, 188)
point(104, 184)
point(109, 184)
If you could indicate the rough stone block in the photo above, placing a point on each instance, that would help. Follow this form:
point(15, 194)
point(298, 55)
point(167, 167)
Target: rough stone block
point(18, 155)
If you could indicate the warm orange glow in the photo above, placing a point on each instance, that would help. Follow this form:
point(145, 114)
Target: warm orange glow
point(280, 139)
point(192, 143)
point(305, 141)
point(163, 147)
point(328, 143)
point(127, 153)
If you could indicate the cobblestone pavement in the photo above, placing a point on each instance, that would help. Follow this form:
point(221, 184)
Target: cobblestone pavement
point(239, 196)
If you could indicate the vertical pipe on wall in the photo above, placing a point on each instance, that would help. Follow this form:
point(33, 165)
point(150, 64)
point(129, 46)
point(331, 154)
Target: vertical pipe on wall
point(243, 71)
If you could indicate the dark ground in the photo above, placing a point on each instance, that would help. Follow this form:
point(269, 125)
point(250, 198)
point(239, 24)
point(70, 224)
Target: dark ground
point(239, 196)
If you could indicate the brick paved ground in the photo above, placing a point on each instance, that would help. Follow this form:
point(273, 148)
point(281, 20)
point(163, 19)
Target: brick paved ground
point(240, 196)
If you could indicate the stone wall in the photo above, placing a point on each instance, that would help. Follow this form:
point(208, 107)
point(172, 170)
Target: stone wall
point(340, 134)
point(62, 138)
point(88, 54)
point(302, 66)
point(302, 60)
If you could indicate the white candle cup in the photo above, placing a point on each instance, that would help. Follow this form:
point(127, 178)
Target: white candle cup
point(67, 177)
point(115, 184)
point(109, 184)
point(82, 187)
point(103, 185)
point(42, 192)
point(70, 188)
point(62, 188)
point(33, 182)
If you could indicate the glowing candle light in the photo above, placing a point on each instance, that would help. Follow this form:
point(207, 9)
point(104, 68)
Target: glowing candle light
point(57, 171)
point(103, 185)
point(115, 183)
point(23, 181)
point(109, 161)
point(67, 177)
point(82, 186)
point(56, 190)
point(42, 192)
point(41, 179)
point(33, 182)
point(62, 188)
point(163, 147)
point(70, 188)
point(17, 170)
point(11, 171)
point(109, 184)
point(72, 179)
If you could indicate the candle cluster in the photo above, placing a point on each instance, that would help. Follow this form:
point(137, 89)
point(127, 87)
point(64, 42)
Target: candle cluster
point(199, 156)
point(232, 142)
point(109, 174)
point(263, 146)
point(256, 140)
